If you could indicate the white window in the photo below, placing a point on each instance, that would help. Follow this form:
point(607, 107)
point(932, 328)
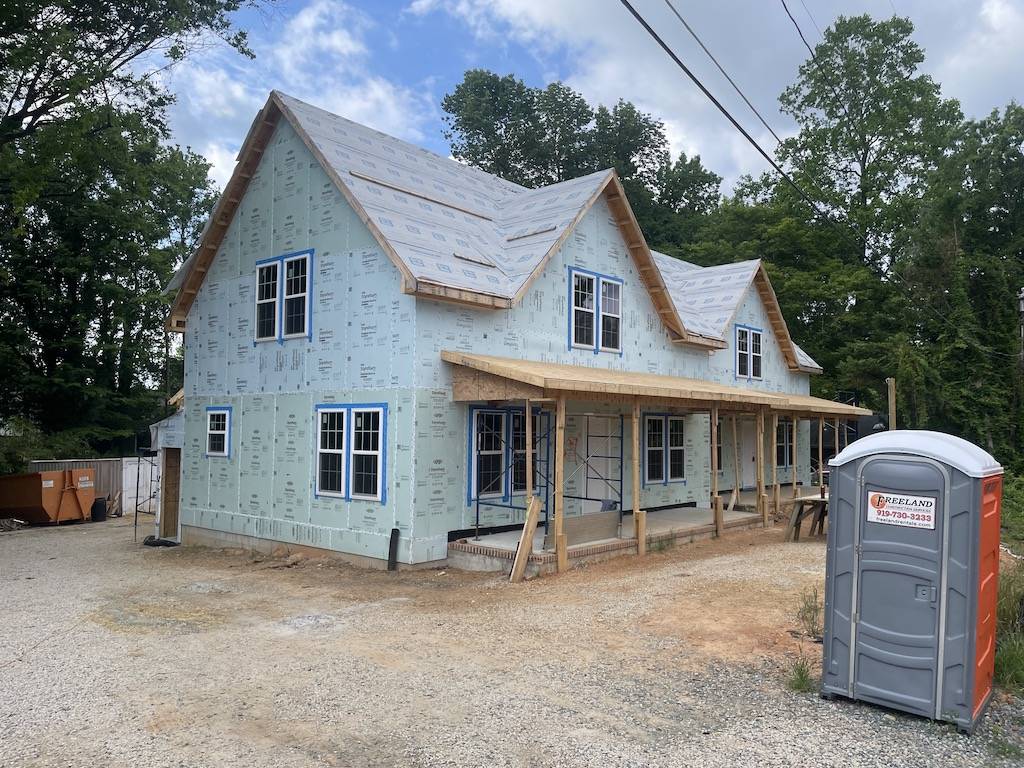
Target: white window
point(611, 315)
point(218, 431)
point(266, 301)
point(748, 353)
point(654, 442)
point(676, 449)
point(583, 310)
point(296, 296)
point(489, 447)
point(784, 444)
point(366, 453)
point(330, 456)
point(519, 451)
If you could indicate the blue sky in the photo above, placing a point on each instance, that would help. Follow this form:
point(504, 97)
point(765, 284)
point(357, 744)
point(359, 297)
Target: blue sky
point(388, 64)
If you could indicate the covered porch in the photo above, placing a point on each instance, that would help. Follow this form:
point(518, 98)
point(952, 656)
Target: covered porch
point(648, 473)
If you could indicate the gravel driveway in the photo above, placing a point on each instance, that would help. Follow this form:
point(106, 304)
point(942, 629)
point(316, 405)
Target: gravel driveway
point(118, 655)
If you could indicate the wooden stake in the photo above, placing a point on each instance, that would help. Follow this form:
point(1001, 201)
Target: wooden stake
point(640, 523)
point(525, 548)
point(560, 542)
point(719, 516)
point(890, 384)
point(796, 429)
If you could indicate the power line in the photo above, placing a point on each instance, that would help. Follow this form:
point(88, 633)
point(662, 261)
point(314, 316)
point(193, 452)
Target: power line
point(811, 17)
point(771, 161)
point(722, 70)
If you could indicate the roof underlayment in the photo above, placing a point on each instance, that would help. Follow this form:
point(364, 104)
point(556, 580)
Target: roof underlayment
point(458, 232)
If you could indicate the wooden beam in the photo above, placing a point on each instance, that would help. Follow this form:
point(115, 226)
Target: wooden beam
point(759, 461)
point(641, 541)
point(821, 452)
point(640, 523)
point(561, 551)
point(714, 453)
point(836, 435)
point(796, 430)
point(890, 385)
point(525, 548)
point(776, 496)
point(735, 465)
point(528, 425)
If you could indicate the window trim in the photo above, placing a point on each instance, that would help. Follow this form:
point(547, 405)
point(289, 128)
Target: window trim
point(664, 418)
point(749, 354)
point(649, 419)
point(597, 312)
point(601, 315)
point(785, 426)
point(382, 451)
point(275, 301)
point(574, 309)
point(503, 451)
point(343, 451)
point(379, 453)
point(308, 254)
point(219, 409)
point(669, 448)
point(305, 256)
point(536, 426)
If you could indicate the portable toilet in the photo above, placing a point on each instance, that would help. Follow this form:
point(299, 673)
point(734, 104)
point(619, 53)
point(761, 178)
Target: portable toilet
point(911, 571)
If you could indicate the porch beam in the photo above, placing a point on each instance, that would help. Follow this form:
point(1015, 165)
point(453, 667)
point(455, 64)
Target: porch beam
point(528, 416)
point(835, 436)
point(714, 453)
point(561, 551)
point(734, 499)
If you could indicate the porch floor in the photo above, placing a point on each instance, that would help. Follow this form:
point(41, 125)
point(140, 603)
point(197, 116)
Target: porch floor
point(495, 551)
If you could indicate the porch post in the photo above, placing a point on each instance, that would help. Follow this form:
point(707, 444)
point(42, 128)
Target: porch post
point(821, 453)
point(776, 494)
point(561, 553)
point(796, 429)
point(716, 502)
point(529, 452)
point(836, 435)
point(759, 460)
point(735, 466)
point(639, 517)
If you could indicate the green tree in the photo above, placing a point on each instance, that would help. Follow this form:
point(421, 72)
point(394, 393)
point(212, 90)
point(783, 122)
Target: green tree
point(871, 128)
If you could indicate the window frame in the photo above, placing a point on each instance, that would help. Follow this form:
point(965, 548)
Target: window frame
point(785, 431)
point(305, 256)
point(379, 452)
point(536, 416)
point(280, 300)
point(343, 452)
point(602, 282)
point(348, 451)
point(574, 274)
point(503, 451)
point(648, 464)
point(275, 301)
point(218, 410)
point(745, 335)
point(669, 448)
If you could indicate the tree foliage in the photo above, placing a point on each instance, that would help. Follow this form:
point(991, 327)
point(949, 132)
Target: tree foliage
point(97, 209)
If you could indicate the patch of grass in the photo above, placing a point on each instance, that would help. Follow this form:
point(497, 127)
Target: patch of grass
point(1000, 746)
point(809, 611)
point(800, 678)
point(1010, 630)
point(661, 545)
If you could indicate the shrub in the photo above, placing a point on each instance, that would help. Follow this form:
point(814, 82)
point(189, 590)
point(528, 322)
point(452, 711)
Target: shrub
point(1010, 630)
point(809, 611)
point(801, 679)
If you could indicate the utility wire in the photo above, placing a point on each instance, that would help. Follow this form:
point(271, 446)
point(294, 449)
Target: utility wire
point(811, 17)
point(722, 70)
point(771, 161)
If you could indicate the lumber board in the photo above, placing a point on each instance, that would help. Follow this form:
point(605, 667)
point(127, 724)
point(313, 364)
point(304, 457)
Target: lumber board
point(525, 548)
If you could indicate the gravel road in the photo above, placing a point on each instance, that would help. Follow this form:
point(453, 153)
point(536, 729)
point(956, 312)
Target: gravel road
point(118, 655)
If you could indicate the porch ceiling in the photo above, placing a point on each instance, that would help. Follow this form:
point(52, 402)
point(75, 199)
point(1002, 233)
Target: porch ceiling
point(507, 378)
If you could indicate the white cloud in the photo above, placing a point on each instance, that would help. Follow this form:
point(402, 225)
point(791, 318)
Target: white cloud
point(222, 158)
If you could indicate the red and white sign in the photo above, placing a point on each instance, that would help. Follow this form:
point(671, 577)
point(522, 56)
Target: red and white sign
point(899, 509)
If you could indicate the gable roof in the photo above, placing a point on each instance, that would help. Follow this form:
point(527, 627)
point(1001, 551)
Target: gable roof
point(453, 231)
point(708, 299)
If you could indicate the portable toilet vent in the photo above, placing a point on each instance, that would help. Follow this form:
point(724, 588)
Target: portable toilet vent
point(911, 571)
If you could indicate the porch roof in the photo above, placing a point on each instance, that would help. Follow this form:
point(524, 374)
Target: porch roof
point(543, 379)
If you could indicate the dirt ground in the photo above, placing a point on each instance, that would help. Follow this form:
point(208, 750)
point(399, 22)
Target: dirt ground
point(117, 654)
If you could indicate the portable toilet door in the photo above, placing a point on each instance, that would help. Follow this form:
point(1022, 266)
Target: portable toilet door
point(910, 574)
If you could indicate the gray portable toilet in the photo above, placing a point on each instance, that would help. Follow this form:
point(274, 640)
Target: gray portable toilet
point(911, 571)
